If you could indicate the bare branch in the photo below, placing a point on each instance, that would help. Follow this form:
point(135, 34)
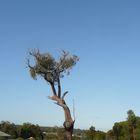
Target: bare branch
point(28, 63)
point(59, 88)
point(59, 101)
point(74, 117)
point(53, 88)
point(60, 104)
point(64, 94)
point(53, 98)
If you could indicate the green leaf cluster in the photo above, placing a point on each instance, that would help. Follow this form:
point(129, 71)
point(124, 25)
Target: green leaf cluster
point(126, 130)
point(51, 69)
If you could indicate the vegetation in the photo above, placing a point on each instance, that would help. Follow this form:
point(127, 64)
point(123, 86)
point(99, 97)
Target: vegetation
point(126, 130)
point(28, 130)
point(52, 71)
point(92, 134)
point(9, 128)
point(24, 131)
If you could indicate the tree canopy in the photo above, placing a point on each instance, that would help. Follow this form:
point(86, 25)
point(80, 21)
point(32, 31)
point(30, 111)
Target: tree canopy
point(50, 68)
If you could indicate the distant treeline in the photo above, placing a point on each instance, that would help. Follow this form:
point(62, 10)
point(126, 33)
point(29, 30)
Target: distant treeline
point(126, 130)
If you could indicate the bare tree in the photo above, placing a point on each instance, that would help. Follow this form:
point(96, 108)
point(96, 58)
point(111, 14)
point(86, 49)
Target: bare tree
point(52, 71)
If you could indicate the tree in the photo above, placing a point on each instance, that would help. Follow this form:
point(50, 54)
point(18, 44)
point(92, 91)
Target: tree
point(117, 130)
point(99, 135)
point(30, 130)
point(91, 133)
point(52, 71)
point(9, 128)
point(132, 121)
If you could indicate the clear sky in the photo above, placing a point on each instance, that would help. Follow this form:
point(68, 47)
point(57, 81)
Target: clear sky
point(105, 83)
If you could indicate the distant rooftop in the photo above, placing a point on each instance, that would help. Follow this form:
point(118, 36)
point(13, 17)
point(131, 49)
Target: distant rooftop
point(2, 134)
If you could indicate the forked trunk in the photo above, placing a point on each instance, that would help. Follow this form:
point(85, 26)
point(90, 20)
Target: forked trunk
point(68, 123)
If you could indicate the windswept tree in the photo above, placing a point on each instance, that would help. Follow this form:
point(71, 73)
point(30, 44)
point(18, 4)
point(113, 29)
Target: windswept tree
point(52, 71)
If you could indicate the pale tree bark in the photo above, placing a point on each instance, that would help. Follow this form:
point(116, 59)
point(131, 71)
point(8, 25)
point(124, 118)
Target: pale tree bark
point(69, 122)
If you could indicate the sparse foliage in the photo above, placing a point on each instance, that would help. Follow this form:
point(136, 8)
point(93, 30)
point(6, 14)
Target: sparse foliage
point(47, 67)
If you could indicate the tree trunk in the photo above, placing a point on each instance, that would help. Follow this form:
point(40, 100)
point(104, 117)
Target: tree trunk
point(68, 132)
point(133, 133)
point(68, 124)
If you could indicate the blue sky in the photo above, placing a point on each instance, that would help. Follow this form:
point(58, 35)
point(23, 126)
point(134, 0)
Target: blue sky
point(104, 84)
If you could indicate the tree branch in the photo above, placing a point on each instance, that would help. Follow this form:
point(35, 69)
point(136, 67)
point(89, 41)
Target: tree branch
point(59, 88)
point(64, 94)
point(62, 103)
point(74, 117)
point(58, 100)
point(53, 88)
point(28, 64)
